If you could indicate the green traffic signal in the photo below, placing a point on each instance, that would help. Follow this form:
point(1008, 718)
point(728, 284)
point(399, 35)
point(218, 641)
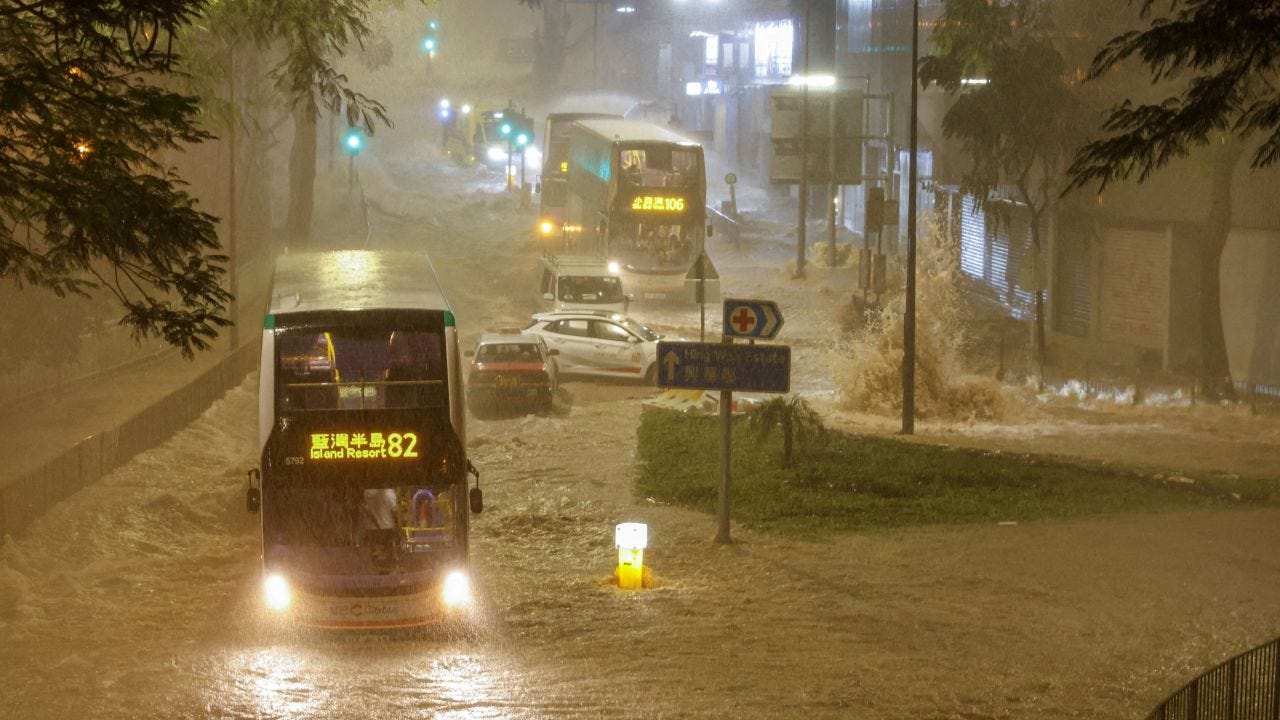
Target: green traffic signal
point(353, 141)
point(505, 129)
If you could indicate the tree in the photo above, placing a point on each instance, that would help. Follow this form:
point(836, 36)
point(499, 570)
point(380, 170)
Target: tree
point(551, 44)
point(1017, 123)
point(798, 421)
point(1222, 59)
point(314, 34)
point(83, 204)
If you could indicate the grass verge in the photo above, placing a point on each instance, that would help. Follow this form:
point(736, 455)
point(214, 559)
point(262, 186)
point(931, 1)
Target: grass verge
point(862, 482)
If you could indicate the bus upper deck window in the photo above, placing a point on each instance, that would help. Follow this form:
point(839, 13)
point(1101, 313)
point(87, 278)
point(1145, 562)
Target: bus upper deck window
point(414, 357)
point(308, 370)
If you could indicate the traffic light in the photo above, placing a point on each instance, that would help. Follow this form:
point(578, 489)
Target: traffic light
point(353, 141)
point(431, 42)
point(518, 129)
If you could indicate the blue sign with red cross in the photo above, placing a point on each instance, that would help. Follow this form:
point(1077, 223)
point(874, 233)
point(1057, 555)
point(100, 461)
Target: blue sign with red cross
point(758, 319)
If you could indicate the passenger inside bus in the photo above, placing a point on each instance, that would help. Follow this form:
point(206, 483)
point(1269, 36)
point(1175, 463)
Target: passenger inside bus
point(659, 168)
point(632, 175)
point(378, 511)
point(414, 361)
point(308, 371)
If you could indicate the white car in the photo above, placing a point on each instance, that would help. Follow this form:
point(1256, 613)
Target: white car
point(599, 343)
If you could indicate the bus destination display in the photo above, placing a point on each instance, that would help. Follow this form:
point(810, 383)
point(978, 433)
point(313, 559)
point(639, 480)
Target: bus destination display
point(657, 203)
point(363, 446)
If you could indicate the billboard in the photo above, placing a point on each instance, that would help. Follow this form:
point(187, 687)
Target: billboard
point(786, 115)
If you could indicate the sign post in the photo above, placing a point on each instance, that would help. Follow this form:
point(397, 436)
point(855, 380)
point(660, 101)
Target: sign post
point(727, 367)
point(723, 503)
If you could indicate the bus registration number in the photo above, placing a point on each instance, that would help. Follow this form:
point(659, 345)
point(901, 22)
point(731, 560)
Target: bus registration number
point(363, 446)
point(657, 203)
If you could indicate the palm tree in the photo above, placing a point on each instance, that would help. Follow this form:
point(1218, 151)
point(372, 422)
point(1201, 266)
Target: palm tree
point(799, 423)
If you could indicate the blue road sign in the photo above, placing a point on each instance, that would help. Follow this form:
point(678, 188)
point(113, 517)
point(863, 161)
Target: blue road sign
point(759, 319)
point(717, 366)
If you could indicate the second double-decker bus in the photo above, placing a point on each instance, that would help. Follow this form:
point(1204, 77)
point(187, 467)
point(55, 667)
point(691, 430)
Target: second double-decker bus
point(362, 488)
point(553, 182)
point(637, 197)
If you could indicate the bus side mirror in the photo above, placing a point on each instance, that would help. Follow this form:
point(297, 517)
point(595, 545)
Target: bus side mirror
point(253, 497)
point(476, 497)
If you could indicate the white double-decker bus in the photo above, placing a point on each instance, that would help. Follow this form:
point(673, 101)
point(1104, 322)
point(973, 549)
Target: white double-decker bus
point(553, 181)
point(362, 488)
point(637, 197)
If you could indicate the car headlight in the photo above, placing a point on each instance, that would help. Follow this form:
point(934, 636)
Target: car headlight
point(275, 590)
point(497, 154)
point(457, 590)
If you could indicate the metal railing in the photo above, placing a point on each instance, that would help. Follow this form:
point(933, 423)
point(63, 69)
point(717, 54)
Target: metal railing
point(1246, 687)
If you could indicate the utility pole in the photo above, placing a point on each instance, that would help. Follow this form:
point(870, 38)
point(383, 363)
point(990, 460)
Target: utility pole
point(831, 172)
point(804, 149)
point(234, 309)
point(909, 316)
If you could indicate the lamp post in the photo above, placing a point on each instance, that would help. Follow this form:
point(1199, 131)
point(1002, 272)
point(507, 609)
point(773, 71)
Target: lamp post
point(232, 250)
point(803, 190)
point(909, 314)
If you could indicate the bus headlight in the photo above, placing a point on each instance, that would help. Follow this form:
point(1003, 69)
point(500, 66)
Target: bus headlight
point(497, 154)
point(275, 590)
point(546, 227)
point(457, 590)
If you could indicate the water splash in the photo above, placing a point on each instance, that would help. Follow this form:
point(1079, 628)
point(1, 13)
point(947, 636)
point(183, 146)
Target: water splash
point(868, 365)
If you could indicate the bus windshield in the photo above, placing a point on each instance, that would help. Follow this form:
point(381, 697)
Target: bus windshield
point(352, 368)
point(604, 289)
point(332, 515)
point(659, 167)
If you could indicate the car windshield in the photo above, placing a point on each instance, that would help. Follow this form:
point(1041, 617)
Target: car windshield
point(643, 332)
point(507, 352)
point(591, 289)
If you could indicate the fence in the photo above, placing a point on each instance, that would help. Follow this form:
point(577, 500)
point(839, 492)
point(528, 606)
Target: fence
point(27, 497)
point(1246, 687)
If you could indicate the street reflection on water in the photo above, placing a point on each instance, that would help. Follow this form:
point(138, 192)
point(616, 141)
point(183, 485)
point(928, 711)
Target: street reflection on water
point(275, 685)
point(360, 677)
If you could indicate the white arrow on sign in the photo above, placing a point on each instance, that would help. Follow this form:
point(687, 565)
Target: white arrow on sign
point(671, 360)
point(772, 320)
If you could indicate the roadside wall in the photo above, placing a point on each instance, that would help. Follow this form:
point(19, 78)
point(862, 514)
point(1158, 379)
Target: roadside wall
point(27, 497)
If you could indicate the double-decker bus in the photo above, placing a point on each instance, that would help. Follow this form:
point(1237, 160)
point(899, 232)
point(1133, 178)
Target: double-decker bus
point(362, 488)
point(637, 197)
point(553, 182)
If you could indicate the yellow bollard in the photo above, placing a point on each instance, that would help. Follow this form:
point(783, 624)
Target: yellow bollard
point(631, 540)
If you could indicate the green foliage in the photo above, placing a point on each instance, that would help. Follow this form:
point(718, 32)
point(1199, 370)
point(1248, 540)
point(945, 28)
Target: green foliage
point(1018, 127)
point(314, 33)
point(1222, 57)
point(83, 204)
point(799, 422)
point(858, 483)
